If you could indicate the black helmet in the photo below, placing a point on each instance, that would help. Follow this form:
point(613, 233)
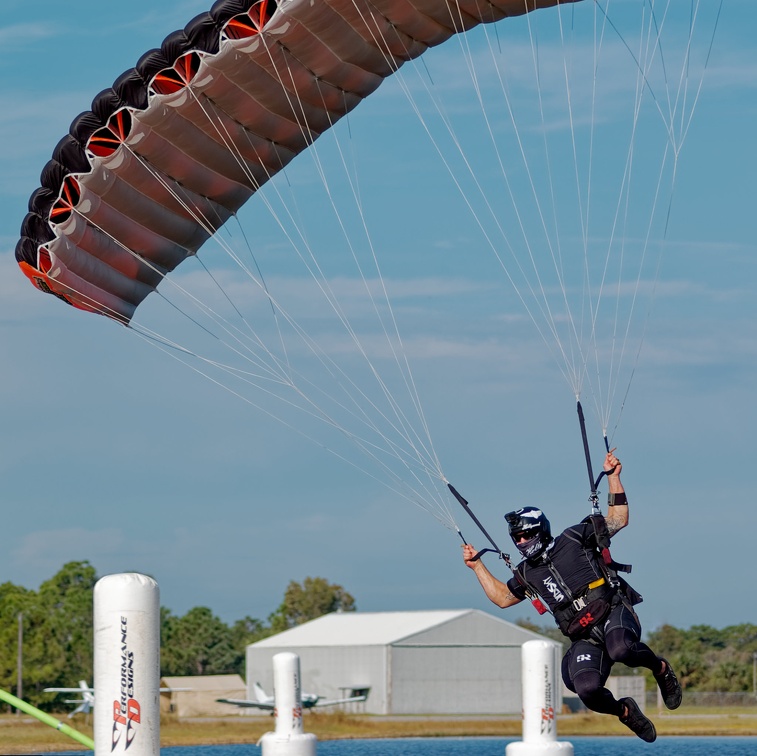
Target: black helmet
point(531, 523)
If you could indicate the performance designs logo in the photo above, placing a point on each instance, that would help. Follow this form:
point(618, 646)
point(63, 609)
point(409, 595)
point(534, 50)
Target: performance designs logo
point(547, 710)
point(126, 710)
point(42, 285)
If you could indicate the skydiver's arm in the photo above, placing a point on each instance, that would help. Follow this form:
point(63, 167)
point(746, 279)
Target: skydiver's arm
point(496, 591)
point(617, 514)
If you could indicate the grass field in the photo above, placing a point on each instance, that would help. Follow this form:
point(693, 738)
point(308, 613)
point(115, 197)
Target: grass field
point(20, 735)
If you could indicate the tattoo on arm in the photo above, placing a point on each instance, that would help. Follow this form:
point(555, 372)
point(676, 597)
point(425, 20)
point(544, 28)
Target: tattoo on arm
point(614, 524)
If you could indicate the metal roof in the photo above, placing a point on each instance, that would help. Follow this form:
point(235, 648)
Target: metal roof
point(365, 628)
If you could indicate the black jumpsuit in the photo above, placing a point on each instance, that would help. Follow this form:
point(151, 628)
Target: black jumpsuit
point(587, 663)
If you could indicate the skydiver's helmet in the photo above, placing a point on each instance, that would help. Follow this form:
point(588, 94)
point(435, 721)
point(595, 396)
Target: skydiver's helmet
point(531, 523)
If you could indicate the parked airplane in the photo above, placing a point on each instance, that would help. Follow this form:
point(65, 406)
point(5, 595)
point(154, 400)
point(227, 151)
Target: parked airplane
point(87, 700)
point(309, 700)
point(83, 704)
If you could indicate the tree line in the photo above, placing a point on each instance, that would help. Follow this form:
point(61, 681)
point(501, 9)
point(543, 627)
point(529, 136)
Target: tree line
point(704, 658)
point(58, 637)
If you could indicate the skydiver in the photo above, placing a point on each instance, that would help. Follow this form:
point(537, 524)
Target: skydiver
point(591, 604)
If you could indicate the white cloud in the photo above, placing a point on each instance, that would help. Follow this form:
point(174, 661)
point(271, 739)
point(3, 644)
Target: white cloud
point(51, 548)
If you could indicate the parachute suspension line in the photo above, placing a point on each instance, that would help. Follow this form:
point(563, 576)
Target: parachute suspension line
point(367, 447)
point(355, 192)
point(647, 83)
point(284, 378)
point(228, 141)
point(288, 378)
point(614, 369)
point(279, 374)
point(335, 305)
point(594, 307)
point(685, 126)
point(623, 201)
point(542, 300)
point(173, 350)
point(556, 247)
point(274, 311)
point(400, 358)
point(408, 428)
point(467, 201)
point(399, 414)
point(404, 368)
point(603, 407)
point(405, 372)
point(576, 371)
point(396, 488)
point(678, 111)
point(583, 214)
point(615, 360)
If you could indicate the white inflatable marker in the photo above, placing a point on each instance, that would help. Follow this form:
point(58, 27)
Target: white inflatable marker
point(288, 739)
point(127, 665)
point(539, 680)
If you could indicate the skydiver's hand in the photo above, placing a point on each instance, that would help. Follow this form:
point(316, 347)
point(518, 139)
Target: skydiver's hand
point(612, 465)
point(468, 553)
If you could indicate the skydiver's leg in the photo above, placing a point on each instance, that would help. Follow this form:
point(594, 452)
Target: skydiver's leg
point(622, 634)
point(585, 669)
point(623, 641)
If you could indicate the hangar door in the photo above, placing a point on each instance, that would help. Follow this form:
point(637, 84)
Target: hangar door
point(455, 679)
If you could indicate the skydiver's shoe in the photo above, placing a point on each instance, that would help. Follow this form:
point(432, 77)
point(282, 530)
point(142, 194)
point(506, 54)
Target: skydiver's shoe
point(635, 721)
point(669, 686)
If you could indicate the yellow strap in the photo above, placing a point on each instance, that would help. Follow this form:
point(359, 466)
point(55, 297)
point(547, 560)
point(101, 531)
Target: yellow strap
point(597, 583)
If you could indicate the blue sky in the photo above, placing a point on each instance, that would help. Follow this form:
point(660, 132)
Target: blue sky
point(116, 453)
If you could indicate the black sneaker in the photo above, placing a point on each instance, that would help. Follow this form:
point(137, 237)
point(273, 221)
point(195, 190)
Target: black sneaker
point(635, 721)
point(669, 686)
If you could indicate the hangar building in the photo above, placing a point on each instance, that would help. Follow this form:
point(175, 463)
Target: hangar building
point(195, 695)
point(426, 662)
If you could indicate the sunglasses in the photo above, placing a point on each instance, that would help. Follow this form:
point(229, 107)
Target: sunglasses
point(525, 535)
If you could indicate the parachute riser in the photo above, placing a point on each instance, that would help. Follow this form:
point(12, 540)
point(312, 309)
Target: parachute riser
point(535, 600)
point(593, 484)
point(495, 549)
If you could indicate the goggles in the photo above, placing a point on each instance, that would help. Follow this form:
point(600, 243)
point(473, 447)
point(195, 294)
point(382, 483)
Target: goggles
point(525, 535)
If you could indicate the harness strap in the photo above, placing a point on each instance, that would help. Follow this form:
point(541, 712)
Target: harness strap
point(602, 537)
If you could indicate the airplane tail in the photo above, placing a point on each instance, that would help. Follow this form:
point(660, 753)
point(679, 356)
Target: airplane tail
point(260, 694)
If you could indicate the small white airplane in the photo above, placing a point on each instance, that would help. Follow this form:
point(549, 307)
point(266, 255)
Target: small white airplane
point(87, 700)
point(83, 704)
point(309, 700)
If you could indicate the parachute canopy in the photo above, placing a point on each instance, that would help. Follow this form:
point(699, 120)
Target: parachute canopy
point(181, 141)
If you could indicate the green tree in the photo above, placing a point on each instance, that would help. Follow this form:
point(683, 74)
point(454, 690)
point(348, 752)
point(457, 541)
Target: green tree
point(13, 599)
point(57, 637)
point(304, 602)
point(65, 603)
point(198, 643)
point(244, 632)
point(248, 630)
